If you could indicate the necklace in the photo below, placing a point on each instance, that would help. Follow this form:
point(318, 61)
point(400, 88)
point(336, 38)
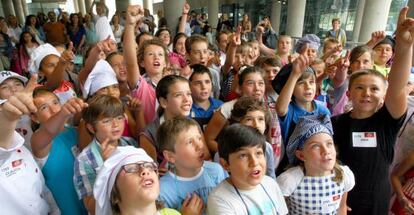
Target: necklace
point(244, 203)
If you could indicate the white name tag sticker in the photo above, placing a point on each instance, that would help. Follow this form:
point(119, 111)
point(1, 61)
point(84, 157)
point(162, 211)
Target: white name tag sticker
point(364, 139)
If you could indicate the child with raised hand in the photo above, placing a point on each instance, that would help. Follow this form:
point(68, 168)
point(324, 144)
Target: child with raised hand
point(383, 52)
point(204, 104)
point(104, 119)
point(53, 147)
point(187, 184)
point(51, 65)
point(247, 190)
point(311, 151)
point(21, 184)
point(253, 113)
point(251, 83)
point(367, 134)
point(116, 189)
point(296, 85)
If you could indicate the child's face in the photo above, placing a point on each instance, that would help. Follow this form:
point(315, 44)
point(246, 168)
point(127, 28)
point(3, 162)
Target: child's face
point(255, 119)
point(367, 94)
point(319, 69)
point(318, 154)
point(304, 91)
point(48, 65)
point(47, 105)
point(312, 54)
point(382, 54)
point(165, 37)
point(109, 128)
point(223, 40)
point(142, 185)
point(240, 60)
point(271, 72)
point(199, 53)
point(363, 62)
point(178, 101)
point(201, 87)
point(255, 52)
point(9, 87)
point(154, 60)
point(189, 150)
point(253, 86)
point(284, 45)
point(112, 90)
point(118, 64)
point(247, 167)
point(180, 46)
point(329, 46)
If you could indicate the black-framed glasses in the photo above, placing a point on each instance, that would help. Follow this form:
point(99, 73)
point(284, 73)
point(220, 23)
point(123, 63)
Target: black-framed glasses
point(138, 167)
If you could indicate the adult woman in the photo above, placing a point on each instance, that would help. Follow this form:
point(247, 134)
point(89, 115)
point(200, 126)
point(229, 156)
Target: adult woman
point(246, 26)
point(76, 32)
point(32, 26)
point(117, 29)
point(21, 57)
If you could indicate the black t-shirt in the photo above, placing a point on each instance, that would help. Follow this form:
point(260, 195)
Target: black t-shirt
point(367, 147)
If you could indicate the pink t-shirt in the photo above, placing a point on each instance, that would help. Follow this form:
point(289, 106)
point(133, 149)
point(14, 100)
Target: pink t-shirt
point(146, 93)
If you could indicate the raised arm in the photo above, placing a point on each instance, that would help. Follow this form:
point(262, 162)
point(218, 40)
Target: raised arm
point(263, 48)
point(285, 96)
point(395, 99)
point(42, 138)
point(58, 74)
point(184, 15)
point(10, 112)
point(134, 14)
point(341, 70)
point(231, 51)
point(376, 37)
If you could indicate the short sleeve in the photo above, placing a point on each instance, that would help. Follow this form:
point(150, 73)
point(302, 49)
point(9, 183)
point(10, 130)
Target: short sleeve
point(289, 180)
point(349, 179)
point(218, 205)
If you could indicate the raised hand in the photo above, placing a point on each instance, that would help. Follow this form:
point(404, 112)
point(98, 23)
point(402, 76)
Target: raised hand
point(107, 148)
point(68, 55)
point(134, 104)
point(21, 102)
point(186, 8)
point(235, 38)
point(134, 14)
point(301, 62)
point(192, 205)
point(73, 106)
point(405, 28)
point(377, 36)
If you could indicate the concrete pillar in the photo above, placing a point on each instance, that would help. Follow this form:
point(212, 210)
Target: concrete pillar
point(25, 9)
point(76, 6)
point(172, 11)
point(213, 10)
point(149, 5)
point(375, 17)
point(81, 5)
point(358, 20)
point(275, 16)
point(295, 17)
point(88, 4)
point(8, 8)
point(19, 10)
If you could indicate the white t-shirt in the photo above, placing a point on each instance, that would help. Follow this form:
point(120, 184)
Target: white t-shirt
point(314, 195)
point(265, 198)
point(22, 185)
point(227, 107)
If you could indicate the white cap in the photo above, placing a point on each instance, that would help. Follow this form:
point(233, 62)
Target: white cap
point(107, 174)
point(103, 29)
point(4, 75)
point(102, 75)
point(38, 54)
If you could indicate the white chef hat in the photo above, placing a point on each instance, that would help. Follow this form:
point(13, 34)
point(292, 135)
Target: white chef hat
point(38, 54)
point(107, 175)
point(103, 29)
point(102, 75)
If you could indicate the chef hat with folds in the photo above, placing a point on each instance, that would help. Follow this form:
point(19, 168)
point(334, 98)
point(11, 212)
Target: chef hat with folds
point(103, 29)
point(311, 39)
point(306, 127)
point(102, 75)
point(38, 54)
point(105, 180)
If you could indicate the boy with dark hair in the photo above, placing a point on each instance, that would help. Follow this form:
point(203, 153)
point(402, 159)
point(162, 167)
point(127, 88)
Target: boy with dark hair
point(247, 190)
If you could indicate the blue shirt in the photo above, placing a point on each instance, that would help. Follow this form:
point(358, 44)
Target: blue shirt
point(174, 189)
point(203, 116)
point(58, 172)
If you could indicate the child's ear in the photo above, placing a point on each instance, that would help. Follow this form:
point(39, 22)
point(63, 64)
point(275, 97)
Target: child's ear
point(347, 93)
point(169, 156)
point(299, 155)
point(163, 102)
point(90, 128)
point(225, 164)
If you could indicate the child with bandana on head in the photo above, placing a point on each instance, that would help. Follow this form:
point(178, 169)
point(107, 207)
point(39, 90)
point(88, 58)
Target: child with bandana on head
point(312, 153)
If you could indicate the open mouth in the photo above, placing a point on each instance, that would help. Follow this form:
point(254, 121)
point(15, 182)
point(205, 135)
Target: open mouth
point(255, 173)
point(147, 182)
point(156, 64)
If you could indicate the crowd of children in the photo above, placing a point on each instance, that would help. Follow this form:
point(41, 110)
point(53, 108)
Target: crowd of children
point(183, 126)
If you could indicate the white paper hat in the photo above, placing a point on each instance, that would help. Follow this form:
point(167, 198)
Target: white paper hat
point(102, 75)
point(103, 29)
point(4, 75)
point(38, 54)
point(107, 175)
